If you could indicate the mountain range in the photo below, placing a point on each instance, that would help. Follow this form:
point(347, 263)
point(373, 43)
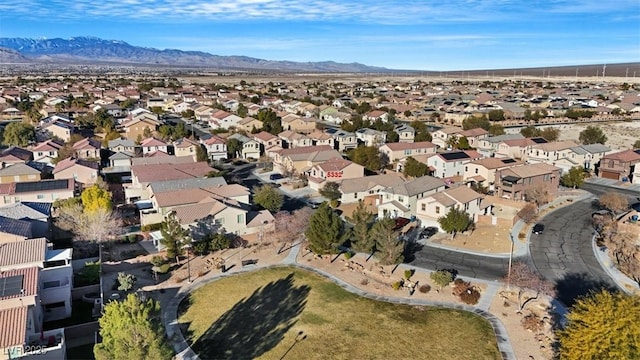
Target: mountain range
point(82, 50)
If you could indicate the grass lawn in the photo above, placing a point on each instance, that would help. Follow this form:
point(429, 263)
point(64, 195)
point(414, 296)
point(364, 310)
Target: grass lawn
point(260, 315)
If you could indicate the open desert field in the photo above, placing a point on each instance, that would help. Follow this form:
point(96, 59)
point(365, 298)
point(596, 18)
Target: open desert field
point(620, 135)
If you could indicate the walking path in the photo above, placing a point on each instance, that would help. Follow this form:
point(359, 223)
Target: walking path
point(170, 299)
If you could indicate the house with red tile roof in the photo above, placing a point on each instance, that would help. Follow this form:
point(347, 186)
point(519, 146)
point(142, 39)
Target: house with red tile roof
point(334, 170)
point(216, 147)
point(82, 171)
point(37, 191)
point(301, 159)
point(513, 183)
point(621, 165)
point(87, 148)
point(152, 144)
point(14, 155)
point(46, 152)
point(399, 151)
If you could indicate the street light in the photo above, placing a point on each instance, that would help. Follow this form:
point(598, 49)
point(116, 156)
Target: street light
point(510, 261)
point(187, 246)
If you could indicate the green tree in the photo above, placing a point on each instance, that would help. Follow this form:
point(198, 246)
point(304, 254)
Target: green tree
point(636, 145)
point(367, 156)
point(110, 135)
point(174, 237)
point(550, 133)
point(242, 110)
point(234, 148)
point(574, 178)
point(455, 221)
point(474, 122)
point(463, 143)
point(592, 135)
point(392, 136)
point(325, 231)
point(331, 190)
point(201, 154)
point(442, 277)
point(95, 197)
point(389, 248)
point(132, 329)
point(603, 325)
point(414, 168)
point(271, 123)
point(496, 129)
point(530, 131)
point(422, 136)
point(361, 219)
point(496, 115)
point(363, 107)
point(219, 241)
point(268, 197)
point(18, 134)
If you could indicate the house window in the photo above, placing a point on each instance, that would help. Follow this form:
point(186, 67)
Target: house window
point(240, 219)
point(437, 209)
point(610, 163)
point(546, 177)
point(466, 168)
point(423, 207)
point(40, 196)
point(355, 195)
point(220, 221)
point(476, 170)
point(401, 199)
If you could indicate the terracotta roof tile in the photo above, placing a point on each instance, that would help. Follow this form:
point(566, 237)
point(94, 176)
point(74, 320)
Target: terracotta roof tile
point(23, 252)
point(13, 323)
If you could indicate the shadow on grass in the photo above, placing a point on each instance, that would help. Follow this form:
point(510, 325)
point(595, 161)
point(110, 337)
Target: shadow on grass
point(256, 324)
point(576, 285)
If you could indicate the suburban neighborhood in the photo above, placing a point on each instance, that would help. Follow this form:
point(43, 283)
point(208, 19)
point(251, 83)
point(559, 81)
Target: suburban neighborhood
point(112, 185)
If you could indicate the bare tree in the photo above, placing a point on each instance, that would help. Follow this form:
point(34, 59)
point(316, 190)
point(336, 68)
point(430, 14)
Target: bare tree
point(626, 252)
point(99, 225)
point(537, 194)
point(290, 225)
point(528, 213)
point(530, 284)
point(614, 202)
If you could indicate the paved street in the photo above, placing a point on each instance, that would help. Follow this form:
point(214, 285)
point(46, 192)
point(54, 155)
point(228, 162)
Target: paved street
point(471, 265)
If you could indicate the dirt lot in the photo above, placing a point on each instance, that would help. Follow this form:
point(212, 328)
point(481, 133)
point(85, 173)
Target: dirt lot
point(620, 135)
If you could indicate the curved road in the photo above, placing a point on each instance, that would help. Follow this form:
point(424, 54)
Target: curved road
point(563, 254)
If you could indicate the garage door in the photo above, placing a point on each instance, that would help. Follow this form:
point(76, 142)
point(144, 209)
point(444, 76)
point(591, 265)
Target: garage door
point(609, 175)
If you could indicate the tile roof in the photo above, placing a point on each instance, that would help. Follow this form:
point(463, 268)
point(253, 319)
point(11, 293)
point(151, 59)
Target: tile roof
point(529, 170)
point(556, 145)
point(303, 150)
point(16, 153)
point(505, 137)
point(19, 169)
point(496, 163)
point(259, 218)
point(29, 282)
point(13, 322)
point(416, 186)
point(194, 195)
point(462, 194)
point(264, 136)
point(87, 143)
point(152, 142)
point(443, 199)
point(121, 142)
point(191, 213)
point(214, 139)
point(164, 172)
point(185, 143)
point(474, 132)
point(335, 164)
point(26, 210)
point(624, 156)
point(182, 184)
point(70, 162)
point(49, 145)
point(23, 252)
point(348, 186)
point(406, 146)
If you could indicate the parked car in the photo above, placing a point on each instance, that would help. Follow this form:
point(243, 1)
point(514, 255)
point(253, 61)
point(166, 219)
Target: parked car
point(538, 229)
point(428, 232)
point(275, 176)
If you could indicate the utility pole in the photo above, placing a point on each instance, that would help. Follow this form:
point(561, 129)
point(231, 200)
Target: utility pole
point(510, 262)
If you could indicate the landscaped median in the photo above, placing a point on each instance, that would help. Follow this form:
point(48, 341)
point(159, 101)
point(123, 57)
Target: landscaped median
point(287, 312)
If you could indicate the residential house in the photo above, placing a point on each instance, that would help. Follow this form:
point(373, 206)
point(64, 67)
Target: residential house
point(152, 145)
point(406, 133)
point(483, 171)
point(20, 172)
point(46, 152)
point(473, 136)
point(430, 208)
point(441, 137)
point(513, 183)
point(375, 115)
point(140, 126)
point(398, 151)
point(250, 147)
point(224, 120)
point(268, 142)
point(549, 152)
point(300, 160)
point(38, 214)
point(319, 138)
point(37, 191)
point(87, 149)
point(119, 162)
point(515, 148)
point(343, 140)
point(58, 129)
point(621, 166)
point(588, 156)
point(12, 230)
point(249, 124)
point(451, 163)
point(14, 155)
point(401, 200)
point(216, 147)
point(371, 137)
point(368, 188)
point(291, 139)
point(489, 146)
point(204, 113)
point(186, 147)
point(333, 170)
point(298, 124)
point(82, 171)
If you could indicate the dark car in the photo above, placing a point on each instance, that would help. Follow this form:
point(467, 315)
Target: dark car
point(538, 229)
point(428, 232)
point(275, 176)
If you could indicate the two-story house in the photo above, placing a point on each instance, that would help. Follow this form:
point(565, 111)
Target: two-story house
point(368, 188)
point(268, 142)
point(87, 149)
point(398, 151)
point(152, 145)
point(473, 136)
point(298, 124)
point(549, 153)
point(621, 166)
point(37, 214)
point(489, 146)
point(59, 129)
point(291, 139)
point(441, 137)
point(140, 126)
point(483, 171)
point(512, 183)
point(186, 147)
point(451, 163)
point(401, 200)
point(342, 140)
point(515, 148)
point(406, 133)
point(46, 152)
point(371, 137)
point(430, 208)
point(300, 160)
point(20, 172)
point(122, 145)
point(319, 138)
point(216, 147)
point(14, 155)
point(37, 191)
point(249, 124)
point(334, 170)
point(375, 115)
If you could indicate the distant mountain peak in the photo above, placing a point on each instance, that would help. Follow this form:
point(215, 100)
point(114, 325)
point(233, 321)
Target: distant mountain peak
point(84, 49)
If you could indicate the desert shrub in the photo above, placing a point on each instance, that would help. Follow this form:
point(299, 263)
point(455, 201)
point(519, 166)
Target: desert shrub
point(133, 238)
point(532, 322)
point(126, 281)
point(409, 273)
point(89, 275)
point(334, 203)
point(364, 282)
point(201, 248)
point(397, 285)
point(157, 260)
point(151, 227)
point(348, 255)
point(424, 289)
point(442, 278)
point(470, 296)
point(164, 268)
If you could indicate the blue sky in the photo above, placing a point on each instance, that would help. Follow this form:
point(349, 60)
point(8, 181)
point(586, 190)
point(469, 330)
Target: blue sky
point(406, 34)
